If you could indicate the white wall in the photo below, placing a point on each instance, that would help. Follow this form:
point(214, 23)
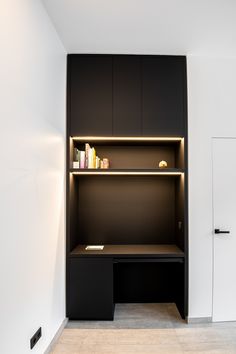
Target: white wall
point(32, 91)
point(211, 112)
point(199, 29)
point(32, 130)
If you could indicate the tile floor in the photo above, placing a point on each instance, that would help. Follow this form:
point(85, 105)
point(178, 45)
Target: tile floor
point(146, 329)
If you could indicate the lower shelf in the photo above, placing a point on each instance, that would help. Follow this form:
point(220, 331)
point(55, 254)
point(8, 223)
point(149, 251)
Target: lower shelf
point(130, 251)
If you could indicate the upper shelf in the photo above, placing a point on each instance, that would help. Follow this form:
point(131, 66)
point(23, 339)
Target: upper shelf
point(126, 140)
point(162, 172)
point(133, 155)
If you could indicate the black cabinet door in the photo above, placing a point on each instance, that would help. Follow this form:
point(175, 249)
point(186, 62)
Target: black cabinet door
point(126, 95)
point(90, 293)
point(90, 95)
point(163, 80)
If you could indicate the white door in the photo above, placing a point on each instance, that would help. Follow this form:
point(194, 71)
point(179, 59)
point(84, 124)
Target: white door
point(224, 216)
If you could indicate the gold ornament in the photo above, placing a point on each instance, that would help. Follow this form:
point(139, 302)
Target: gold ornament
point(162, 164)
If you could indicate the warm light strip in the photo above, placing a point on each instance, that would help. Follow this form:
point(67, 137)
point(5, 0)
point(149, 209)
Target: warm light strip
point(125, 173)
point(124, 138)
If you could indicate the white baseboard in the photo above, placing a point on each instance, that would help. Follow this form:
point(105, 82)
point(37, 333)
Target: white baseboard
point(196, 320)
point(55, 338)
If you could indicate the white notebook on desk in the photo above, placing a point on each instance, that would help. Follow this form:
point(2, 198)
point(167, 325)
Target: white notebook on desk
point(94, 248)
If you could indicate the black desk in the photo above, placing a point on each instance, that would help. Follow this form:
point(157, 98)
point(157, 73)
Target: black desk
point(123, 273)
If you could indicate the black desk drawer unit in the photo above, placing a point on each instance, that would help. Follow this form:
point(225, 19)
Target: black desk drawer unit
point(91, 289)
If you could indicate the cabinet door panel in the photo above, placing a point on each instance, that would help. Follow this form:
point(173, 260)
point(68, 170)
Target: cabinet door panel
point(126, 95)
point(90, 95)
point(90, 293)
point(163, 95)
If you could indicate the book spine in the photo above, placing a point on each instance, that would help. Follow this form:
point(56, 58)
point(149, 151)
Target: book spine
point(90, 158)
point(87, 149)
point(82, 159)
point(94, 158)
point(97, 162)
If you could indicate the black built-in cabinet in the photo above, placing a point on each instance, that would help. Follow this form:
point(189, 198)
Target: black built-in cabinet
point(127, 95)
point(91, 290)
point(163, 82)
point(90, 95)
point(133, 110)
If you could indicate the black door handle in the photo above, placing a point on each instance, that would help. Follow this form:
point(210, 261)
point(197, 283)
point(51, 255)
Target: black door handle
point(218, 231)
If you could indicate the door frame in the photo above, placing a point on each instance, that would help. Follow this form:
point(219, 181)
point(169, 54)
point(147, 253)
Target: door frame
point(213, 138)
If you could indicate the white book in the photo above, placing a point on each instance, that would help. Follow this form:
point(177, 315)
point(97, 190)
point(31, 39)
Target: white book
point(91, 158)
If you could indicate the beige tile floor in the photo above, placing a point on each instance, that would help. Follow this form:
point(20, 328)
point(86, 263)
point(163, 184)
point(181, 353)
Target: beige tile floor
point(146, 329)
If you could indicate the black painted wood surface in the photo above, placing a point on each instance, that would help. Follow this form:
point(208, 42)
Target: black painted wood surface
point(126, 209)
point(90, 294)
point(90, 94)
point(163, 84)
point(146, 251)
point(127, 95)
point(130, 95)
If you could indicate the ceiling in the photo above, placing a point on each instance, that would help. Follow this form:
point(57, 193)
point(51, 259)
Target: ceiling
point(146, 26)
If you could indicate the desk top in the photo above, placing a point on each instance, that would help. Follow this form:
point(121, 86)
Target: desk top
point(130, 251)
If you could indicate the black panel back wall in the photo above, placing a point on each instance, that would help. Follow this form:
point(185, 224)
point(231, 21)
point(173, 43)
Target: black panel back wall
point(143, 157)
point(90, 94)
point(136, 156)
point(126, 210)
point(147, 282)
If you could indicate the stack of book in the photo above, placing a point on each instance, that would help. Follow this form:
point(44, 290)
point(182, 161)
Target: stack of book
point(86, 158)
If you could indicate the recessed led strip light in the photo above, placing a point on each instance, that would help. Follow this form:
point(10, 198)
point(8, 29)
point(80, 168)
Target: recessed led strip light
point(126, 173)
point(125, 138)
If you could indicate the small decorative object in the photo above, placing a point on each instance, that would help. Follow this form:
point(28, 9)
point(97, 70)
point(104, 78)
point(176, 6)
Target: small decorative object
point(162, 164)
point(76, 154)
point(105, 163)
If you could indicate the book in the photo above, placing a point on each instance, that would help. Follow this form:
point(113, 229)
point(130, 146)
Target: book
point(94, 158)
point(90, 157)
point(97, 162)
point(82, 159)
point(87, 149)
